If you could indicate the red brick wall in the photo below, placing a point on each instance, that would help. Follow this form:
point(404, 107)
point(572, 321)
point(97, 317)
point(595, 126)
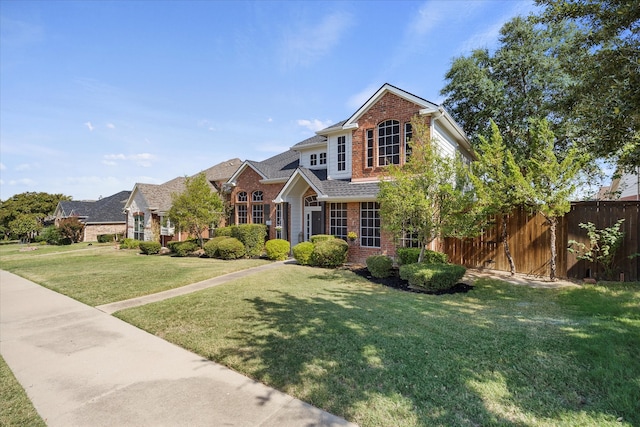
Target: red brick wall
point(249, 181)
point(389, 107)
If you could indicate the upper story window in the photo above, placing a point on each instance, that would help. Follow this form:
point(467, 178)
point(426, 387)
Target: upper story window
point(323, 158)
point(408, 133)
point(369, 148)
point(313, 160)
point(242, 196)
point(342, 153)
point(257, 196)
point(389, 143)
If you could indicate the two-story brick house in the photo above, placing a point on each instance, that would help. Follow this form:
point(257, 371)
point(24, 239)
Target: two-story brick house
point(328, 184)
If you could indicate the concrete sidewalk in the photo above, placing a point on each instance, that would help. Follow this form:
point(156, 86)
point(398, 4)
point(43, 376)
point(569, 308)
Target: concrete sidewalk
point(83, 367)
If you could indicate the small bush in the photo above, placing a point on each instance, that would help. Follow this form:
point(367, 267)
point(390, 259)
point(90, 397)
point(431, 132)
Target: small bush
point(50, 235)
point(252, 236)
point(277, 249)
point(211, 247)
point(231, 248)
point(223, 231)
point(129, 244)
point(108, 238)
point(329, 253)
point(432, 277)
point(407, 255)
point(302, 252)
point(150, 248)
point(379, 266)
point(182, 249)
point(433, 257)
point(321, 238)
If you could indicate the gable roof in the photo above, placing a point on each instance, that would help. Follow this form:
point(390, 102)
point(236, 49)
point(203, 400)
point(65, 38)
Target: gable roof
point(106, 210)
point(222, 171)
point(278, 167)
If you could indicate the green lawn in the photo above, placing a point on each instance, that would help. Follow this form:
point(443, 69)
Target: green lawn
point(498, 355)
point(100, 274)
point(15, 407)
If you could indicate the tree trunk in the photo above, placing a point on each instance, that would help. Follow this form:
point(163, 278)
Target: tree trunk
point(552, 262)
point(505, 243)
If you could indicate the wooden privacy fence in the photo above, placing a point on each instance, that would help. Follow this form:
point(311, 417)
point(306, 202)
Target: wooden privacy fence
point(529, 239)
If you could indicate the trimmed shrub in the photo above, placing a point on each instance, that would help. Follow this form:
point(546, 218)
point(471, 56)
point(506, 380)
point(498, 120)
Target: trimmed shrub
point(211, 247)
point(432, 277)
point(329, 253)
point(223, 231)
point(407, 255)
point(150, 248)
point(411, 255)
point(252, 237)
point(277, 249)
point(379, 266)
point(129, 244)
point(321, 238)
point(231, 248)
point(302, 252)
point(182, 249)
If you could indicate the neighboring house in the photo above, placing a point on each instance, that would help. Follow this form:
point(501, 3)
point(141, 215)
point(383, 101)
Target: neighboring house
point(103, 216)
point(627, 187)
point(328, 184)
point(148, 205)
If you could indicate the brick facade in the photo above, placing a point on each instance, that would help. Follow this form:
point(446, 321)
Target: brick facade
point(92, 231)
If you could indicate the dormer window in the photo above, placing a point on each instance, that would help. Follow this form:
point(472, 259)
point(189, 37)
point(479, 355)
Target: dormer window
point(313, 161)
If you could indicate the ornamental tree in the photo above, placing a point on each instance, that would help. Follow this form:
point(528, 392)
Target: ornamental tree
point(197, 208)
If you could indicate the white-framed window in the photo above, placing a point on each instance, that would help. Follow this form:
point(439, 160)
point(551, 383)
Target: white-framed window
point(323, 158)
point(338, 220)
point(370, 224)
point(342, 153)
point(313, 159)
point(241, 213)
point(370, 149)
point(257, 214)
point(242, 197)
point(279, 221)
point(408, 134)
point(257, 196)
point(389, 143)
point(138, 226)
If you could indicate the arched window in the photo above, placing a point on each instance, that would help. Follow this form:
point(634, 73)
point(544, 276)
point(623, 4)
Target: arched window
point(242, 196)
point(257, 196)
point(389, 143)
point(311, 201)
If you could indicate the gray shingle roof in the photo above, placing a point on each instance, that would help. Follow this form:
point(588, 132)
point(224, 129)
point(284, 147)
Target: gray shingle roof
point(310, 141)
point(337, 188)
point(222, 171)
point(106, 210)
point(279, 166)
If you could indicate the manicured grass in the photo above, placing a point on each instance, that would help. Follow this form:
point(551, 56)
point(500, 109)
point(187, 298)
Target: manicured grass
point(15, 407)
point(498, 355)
point(98, 275)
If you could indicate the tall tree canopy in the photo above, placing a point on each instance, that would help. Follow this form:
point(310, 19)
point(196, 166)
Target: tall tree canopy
point(605, 93)
point(37, 205)
point(197, 208)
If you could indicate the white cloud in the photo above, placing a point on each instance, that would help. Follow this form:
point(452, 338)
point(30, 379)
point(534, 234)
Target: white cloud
point(315, 124)
point(115, 157)
point(109, 163)
point(141, 159)
point(308, 43)
point(270, 120)
point(89, 126)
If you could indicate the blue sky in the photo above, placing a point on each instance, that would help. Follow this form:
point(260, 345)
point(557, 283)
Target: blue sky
point(96, 95)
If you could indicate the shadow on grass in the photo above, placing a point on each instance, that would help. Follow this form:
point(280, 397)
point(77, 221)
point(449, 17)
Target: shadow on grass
point(496, 357)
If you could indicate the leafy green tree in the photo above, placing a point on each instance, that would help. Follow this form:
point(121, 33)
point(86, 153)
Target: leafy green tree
point(499, 184)
point(39, 204)
point(605, 93)
point(429, 196)
point(25, 226)
point(523, 79)
point(602, 247)
point(197, 208)
point(551, 181)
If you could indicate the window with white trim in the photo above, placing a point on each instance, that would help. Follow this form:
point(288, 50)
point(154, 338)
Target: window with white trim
point(323, 158)
point(242, 196)
point(138, 226)
point(338, 220)
point(370, 148)
point(370, 224)
point(279, 221)
point(313, 160)
point(389, 143)
point(257, 208)
point(241, 213)
point(342, 153)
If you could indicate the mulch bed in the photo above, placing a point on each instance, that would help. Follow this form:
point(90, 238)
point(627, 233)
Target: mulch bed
point(394, 281)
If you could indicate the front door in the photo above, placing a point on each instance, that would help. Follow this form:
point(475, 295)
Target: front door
point(313, 221)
